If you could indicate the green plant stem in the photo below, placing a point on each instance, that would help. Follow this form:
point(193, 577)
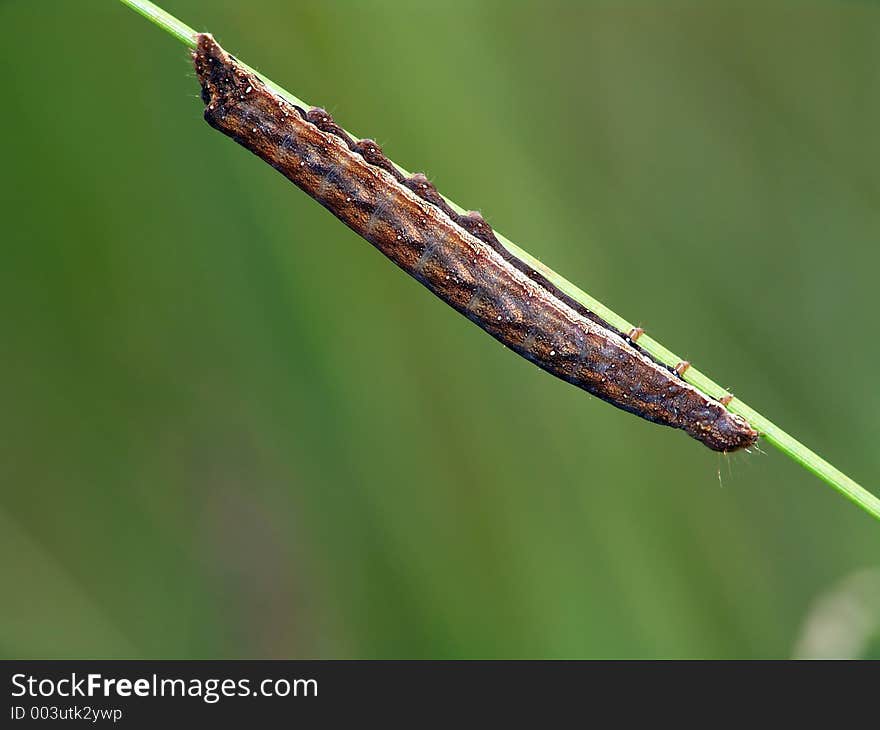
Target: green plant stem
point(768, 430)
point(166, 21)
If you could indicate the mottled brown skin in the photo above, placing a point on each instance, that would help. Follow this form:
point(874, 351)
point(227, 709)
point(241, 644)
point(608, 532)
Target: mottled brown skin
point(456, 256)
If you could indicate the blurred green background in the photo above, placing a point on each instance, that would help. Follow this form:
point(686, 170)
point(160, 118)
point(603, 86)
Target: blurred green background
point(232, 429)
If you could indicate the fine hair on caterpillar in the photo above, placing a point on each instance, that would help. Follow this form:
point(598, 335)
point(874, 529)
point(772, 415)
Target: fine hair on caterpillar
point(457, 256)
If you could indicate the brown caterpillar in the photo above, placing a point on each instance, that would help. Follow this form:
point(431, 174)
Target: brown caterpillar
point(457, 257)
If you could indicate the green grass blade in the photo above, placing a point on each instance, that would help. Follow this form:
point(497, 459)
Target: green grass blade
point(768, 430)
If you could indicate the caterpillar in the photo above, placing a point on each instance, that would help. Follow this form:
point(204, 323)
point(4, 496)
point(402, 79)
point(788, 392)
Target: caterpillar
point(455, 256)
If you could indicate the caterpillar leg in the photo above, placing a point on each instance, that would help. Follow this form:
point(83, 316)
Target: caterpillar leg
point(634, 334)
point(681, 368)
